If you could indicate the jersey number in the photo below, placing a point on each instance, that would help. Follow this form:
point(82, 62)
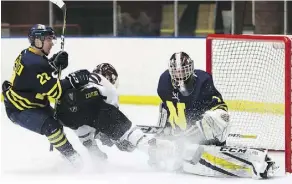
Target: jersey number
point(43, 78)
point(177, 115)
point(17, 69)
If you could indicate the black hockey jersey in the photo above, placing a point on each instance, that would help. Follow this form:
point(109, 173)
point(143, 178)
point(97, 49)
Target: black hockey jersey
point(32, 82)
point(94, 105)
point(185, 110)
point(79, 107)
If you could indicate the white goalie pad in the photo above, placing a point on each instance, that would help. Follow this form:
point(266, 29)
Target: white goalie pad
point(220, 161)
point(214, 125)
point(229, 162)
point(162, 119)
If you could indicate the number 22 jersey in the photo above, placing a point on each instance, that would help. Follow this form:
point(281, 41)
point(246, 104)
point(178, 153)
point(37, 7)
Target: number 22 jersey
point(32, 82)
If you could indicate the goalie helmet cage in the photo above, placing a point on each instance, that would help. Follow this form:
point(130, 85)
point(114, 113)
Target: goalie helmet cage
point(253, 74)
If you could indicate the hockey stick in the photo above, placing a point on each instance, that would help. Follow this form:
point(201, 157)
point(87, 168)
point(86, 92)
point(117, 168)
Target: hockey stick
point(158, 130)
point(62, 6)
point(150, 129)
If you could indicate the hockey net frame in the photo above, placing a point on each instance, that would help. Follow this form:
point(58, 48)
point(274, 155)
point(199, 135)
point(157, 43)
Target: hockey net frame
point(287, 91)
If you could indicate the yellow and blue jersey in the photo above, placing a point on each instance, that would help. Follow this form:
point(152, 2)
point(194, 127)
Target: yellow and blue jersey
point(32, 82)
point(186, 110)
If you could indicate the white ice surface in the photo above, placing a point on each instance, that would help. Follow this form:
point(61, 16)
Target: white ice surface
point(25, 159)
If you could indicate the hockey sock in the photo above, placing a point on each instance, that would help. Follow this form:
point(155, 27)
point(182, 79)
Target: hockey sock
point(54, 132)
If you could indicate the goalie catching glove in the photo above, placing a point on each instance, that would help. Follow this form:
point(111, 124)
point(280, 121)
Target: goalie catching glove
point(214, 125)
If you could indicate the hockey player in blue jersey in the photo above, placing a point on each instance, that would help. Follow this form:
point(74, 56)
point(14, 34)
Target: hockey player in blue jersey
point(190, 98)
point(26, 95)
point(195, 117)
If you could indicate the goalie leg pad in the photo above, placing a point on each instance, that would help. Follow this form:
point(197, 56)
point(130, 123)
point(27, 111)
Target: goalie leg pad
point(228, 162)
point(163, 116)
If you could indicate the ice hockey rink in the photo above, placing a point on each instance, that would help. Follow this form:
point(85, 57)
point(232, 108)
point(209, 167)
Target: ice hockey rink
point(25, 158)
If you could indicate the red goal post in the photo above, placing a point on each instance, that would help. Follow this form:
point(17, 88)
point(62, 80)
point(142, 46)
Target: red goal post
point(253, 74)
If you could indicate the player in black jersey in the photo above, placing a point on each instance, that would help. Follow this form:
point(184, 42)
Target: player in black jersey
point(32, 83)
point(93, 112)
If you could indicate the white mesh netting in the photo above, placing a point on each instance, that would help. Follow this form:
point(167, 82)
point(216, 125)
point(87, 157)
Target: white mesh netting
point(250, 76)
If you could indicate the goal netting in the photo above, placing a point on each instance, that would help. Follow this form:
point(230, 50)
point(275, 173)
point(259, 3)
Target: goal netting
point(253, 75)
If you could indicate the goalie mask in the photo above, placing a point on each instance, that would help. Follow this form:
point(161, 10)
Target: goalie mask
point(181, 70)
point(108, 71)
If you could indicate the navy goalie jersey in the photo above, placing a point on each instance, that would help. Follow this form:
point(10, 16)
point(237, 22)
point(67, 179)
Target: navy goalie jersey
point(184, 111)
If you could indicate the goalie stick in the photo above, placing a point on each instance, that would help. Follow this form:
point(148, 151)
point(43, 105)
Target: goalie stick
point(158, 130)
point(150, 129)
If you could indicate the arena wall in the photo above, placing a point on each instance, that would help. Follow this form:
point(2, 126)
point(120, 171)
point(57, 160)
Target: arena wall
point(139, 61)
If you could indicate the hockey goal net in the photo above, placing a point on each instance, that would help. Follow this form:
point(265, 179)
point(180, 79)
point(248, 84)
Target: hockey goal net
point(253, 74)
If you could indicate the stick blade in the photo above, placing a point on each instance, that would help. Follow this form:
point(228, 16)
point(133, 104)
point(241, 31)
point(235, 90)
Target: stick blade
point(59, 3)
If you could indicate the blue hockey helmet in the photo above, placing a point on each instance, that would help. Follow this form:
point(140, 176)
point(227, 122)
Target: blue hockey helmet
point(40, 32)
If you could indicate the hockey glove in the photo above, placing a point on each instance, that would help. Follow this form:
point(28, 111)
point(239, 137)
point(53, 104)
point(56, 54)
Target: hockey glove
point(59, 60)
point(79, 78)
point(214, 125)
